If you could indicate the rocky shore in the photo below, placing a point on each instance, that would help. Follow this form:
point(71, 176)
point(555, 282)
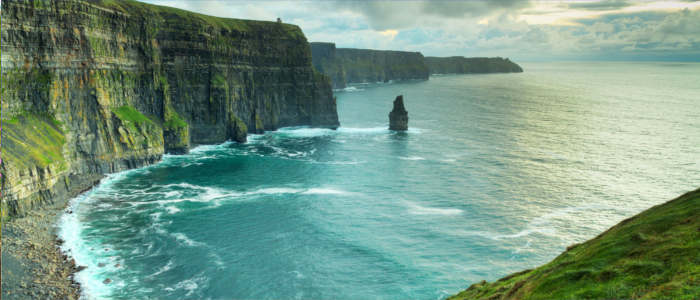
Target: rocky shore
point(33, 266)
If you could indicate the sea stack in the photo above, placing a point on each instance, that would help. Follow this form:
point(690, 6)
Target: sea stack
point(398, 117)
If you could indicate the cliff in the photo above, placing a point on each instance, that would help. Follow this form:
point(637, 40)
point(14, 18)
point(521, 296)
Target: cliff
point(463, 65)
point(324, 60)
point(653, 255)
point(345, 65)
point(93, 87)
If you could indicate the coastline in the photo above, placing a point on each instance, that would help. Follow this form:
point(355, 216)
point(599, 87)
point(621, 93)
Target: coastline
point(33, 264)
point(34, 267)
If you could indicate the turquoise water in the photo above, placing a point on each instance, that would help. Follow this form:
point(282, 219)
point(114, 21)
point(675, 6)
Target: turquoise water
point(498, 173)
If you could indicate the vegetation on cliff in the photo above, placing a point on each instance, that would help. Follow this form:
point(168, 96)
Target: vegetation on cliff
point(653, 255)
point(128, 81)
point(464, 65)
point(188, 18)
point(32, 140)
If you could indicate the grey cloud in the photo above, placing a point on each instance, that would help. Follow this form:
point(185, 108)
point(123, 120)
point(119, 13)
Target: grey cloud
point(452, 9)
point(383, 15)
point(600, 5)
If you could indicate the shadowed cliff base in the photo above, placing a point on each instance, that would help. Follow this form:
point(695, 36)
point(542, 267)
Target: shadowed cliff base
point(653, 255)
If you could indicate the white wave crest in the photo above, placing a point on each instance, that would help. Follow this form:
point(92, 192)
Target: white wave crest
point(368, 130)
point(411, 158)
point(416, 209)
point(163, 269)
point(352, 89)
point(184, 239)
point(325, 191)
point(274, 191)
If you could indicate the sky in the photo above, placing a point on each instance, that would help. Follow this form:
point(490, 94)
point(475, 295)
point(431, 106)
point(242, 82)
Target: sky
point(519, 29)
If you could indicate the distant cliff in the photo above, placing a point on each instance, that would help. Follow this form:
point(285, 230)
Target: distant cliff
point(463, 65)
point(653, 255)
point(324, 60)
point(345, 65)
point(93, 87)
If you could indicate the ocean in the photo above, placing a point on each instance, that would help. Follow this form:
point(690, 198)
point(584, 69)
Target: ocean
point(497, 173)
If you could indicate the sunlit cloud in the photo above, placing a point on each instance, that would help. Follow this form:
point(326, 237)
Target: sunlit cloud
point(390, 33)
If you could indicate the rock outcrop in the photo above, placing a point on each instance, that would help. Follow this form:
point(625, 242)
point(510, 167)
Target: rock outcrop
point(346, 65)
point(93, 87)
point(398, 117)
point(463, 65)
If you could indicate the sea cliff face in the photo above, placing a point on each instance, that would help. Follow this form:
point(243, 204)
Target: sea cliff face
point(93, 87)
point(345, 65)
point(324, 60)
point(464, 65)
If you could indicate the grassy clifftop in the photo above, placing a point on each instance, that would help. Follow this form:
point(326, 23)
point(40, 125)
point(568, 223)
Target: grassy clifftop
point(653, 255)
point(143, 9)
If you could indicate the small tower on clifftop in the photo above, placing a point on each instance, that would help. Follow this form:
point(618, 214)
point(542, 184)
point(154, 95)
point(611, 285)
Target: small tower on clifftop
point(398, 117)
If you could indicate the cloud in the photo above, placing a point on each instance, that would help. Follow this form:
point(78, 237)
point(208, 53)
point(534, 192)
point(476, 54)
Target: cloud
point(382, 15)
point(472, 8)
point(522, 30)
point(600, 5)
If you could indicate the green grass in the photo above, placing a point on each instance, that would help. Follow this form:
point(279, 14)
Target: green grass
point(173, 119)
point(653, 255)
point(31, 140)
point(218, 81)
point(174, 14)
point(129, 114)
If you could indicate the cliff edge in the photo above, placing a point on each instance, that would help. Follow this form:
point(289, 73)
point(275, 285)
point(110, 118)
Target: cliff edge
point(471, 65)
point(94, 87)
point(653, 255)
point(347, 65)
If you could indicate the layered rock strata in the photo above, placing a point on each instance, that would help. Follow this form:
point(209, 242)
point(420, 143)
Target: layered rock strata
point(94, 87)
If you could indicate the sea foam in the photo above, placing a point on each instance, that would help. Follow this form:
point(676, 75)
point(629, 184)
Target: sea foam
point(416, 209)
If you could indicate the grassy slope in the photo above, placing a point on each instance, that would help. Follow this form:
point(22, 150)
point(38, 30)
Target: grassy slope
point(653, 255)
point(32, 140)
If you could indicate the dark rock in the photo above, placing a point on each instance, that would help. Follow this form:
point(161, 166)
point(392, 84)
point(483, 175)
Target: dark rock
point(101, 265)
point(107, 281)
point(80, 268)
point(398, 117)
